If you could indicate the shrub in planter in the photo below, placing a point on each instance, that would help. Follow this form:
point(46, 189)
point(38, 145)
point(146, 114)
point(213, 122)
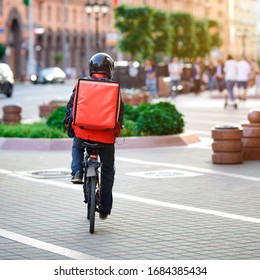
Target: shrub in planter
point(159, 119)
point(55, 120)
point(130, 113)
point(35, 130)
point(129, 128)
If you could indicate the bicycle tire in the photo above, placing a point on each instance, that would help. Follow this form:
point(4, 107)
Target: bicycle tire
point(92, 204)
point(86, 190)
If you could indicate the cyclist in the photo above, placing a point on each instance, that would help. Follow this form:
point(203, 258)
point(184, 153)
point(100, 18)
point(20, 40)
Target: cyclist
point(101, 67)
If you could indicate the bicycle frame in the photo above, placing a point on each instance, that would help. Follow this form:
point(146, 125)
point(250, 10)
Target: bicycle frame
point(91, 186)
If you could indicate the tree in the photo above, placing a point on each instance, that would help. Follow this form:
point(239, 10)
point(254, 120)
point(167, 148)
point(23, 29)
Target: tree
point(161, 34)
point(184, 35)
point(149, 32)
point(203, 38)
point(136, 26)
point(214, 30)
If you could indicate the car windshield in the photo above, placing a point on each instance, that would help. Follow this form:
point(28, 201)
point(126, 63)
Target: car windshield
point(51, 70)
point(46, 71)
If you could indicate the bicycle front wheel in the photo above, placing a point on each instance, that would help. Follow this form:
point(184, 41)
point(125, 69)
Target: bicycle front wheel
point(92, 204)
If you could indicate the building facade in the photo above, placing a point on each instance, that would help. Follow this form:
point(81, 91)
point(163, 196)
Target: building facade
point(62, 33)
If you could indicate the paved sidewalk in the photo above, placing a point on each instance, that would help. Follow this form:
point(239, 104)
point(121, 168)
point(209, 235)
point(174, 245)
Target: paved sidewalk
point(182, 207)
point(169, 202)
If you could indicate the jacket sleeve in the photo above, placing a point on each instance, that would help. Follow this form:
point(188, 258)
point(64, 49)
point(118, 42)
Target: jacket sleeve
point(68, 118)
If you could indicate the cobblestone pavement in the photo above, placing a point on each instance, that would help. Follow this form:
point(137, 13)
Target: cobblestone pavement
point(169, 203)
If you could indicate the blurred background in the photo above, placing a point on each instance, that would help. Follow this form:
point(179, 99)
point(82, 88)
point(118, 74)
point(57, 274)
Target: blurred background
point(36, 34)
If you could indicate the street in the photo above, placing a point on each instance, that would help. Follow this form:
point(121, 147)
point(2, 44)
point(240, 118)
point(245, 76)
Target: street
point(30, 96)
point(169, 202)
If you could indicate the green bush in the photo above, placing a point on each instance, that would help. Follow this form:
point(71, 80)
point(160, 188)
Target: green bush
point(35, 130)
point(156, 119)
point(55, 120)
point(146, 119)
point(129, 128)
point(130, 113)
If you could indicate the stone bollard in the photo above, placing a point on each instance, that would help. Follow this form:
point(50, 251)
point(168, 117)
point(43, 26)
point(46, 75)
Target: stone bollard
point(251, 135)
point(12, 114)
point(163, 86)
point(227, 145)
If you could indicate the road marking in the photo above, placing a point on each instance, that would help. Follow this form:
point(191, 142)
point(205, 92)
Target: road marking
point(188, 208)
point(190, 168)
point(152, 201)
point(45, 246)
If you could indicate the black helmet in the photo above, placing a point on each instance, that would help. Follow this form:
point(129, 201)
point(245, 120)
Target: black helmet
point(101, 63)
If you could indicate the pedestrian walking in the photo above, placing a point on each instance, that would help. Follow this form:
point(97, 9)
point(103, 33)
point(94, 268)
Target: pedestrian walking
point(220, 76)
point(257, 81)
point(211, 74)
point(151, 79)
point(196, 75)
point(230, 69)
point(243, 75)
point(175, 71)
point(255, 74)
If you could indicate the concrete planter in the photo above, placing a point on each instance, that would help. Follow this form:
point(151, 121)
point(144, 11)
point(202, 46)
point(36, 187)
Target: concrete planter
point(12, 114)
point(227, 145)
point(46, 109)
point(251, 135)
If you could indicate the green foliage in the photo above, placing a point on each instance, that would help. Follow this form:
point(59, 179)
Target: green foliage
point(2, 51)
point(161, 119)
point(130, 113)
point(26, 2)
point(146, 119)
point(129, 128)
point(184, 37)
point(149, 32)
point(153, 119)
point(214, 30)
point(35, 130)
point(161, 34)
point(135, 25)
point(202, 33)
point(55, 120)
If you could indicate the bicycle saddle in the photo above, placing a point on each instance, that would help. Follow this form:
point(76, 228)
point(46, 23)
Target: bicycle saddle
point(93, 145)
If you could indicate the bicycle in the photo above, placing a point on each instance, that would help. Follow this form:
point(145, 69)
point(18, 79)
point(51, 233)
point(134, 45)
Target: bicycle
point(91, 183)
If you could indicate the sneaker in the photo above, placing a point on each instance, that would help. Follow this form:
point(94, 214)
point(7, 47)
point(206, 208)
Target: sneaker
point(103, 216)
point(77, 178)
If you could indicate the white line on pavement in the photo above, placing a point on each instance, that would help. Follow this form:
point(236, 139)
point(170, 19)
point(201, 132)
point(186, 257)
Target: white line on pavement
point(152, 201)
point(45, 246)
point(190, 168)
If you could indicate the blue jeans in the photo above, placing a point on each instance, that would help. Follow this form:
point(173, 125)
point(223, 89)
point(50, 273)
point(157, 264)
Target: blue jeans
point(152, 86)
point(230, 88)
point(107, 157)
point(211, 83)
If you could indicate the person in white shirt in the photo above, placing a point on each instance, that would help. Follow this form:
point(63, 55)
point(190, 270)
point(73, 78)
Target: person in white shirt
point(243, 74)
point(175, 71)
point(230, 69)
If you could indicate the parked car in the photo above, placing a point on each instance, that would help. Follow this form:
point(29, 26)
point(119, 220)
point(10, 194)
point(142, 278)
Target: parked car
point(49, 75)
point(6, 79)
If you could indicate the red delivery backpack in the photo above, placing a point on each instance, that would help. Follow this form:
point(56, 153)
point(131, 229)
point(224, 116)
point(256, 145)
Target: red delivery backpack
point(96, 104)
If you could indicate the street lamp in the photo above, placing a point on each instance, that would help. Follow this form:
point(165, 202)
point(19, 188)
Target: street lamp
point(98, 10)
point(243, 34)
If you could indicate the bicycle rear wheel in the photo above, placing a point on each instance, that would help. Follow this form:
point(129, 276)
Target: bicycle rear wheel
point(92, 204)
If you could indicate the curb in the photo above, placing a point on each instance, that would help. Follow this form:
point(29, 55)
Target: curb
point(35, 144)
